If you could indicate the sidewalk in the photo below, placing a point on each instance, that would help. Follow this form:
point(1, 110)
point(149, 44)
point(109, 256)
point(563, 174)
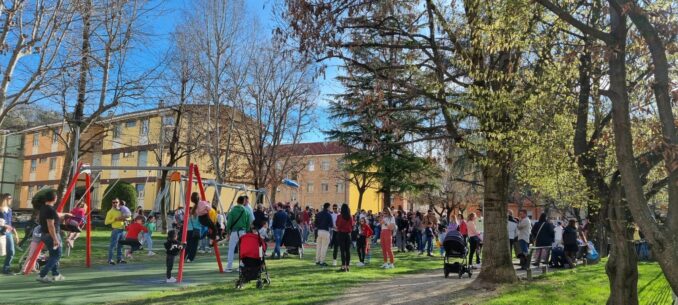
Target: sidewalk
point(416, 289)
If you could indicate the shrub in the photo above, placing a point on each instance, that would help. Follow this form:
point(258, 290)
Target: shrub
point(124, 191)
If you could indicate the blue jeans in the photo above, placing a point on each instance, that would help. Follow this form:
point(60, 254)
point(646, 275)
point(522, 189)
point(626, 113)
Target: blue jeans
point(10, 252)
point(277, 235)
point(116, 236)
point(428, 242)
point(149, 241)
point(420, 240)
point(524, 245)
point(377, 232)
point(54, 256)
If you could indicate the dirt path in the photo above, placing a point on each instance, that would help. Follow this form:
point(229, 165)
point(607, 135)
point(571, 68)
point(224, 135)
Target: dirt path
point(420, 288)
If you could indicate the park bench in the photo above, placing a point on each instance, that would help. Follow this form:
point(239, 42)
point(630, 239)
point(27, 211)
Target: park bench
point(545, 266)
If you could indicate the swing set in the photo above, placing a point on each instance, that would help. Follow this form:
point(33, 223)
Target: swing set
point(191, 171)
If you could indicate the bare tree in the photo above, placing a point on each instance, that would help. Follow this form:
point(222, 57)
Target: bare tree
point(31, 37)
point(218, 32)
point(178, 140)
point(279, 104)
point(101, 49)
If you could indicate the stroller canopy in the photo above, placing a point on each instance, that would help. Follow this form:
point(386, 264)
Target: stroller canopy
point(249, 246)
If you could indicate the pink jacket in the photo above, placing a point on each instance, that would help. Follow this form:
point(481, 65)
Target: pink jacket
point(471, 226)
point(204, 208)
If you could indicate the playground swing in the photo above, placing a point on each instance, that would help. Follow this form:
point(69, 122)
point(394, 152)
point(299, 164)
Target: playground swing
point(86, 169)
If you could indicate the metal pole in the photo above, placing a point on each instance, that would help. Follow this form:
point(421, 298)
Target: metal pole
point(76, 151)
point(88, 200)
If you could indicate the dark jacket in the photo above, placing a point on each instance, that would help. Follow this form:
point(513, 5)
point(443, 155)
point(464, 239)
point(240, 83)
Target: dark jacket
point(279, 220)
point(259, 219)
point(172, 247)
point(402, 224)
point(570, 236)
point(323, 220)
point(545, 236)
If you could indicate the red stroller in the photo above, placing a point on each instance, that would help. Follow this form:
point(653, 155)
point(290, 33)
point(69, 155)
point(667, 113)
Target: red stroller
point(252, 249)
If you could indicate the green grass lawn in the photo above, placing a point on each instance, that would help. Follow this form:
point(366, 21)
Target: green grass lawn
point(294, 281)
point(583, 285)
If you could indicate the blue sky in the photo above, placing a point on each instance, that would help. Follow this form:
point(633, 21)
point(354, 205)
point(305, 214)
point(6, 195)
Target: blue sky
point(163, 25)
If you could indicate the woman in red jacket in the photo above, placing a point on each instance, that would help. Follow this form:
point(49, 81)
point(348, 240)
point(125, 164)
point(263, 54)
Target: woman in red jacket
point(362, 244)
point(344, 226)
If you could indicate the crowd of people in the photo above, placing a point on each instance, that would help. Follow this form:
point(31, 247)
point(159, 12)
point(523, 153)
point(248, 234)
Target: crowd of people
point(332, 228)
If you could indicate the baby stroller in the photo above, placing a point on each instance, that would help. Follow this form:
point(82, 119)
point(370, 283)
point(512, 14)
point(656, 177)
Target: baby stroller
point(292, 242)
point(455, 247)
point(253, 266)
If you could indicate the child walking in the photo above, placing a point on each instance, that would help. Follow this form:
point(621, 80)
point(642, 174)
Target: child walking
point(363, 242)
point(172, 247)
point(150, 226)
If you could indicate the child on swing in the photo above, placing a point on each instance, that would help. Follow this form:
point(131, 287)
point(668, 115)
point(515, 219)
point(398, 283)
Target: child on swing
point(132, 238)
point(206, 215)
point(74, 223)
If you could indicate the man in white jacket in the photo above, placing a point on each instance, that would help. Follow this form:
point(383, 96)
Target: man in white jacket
point(524, 228)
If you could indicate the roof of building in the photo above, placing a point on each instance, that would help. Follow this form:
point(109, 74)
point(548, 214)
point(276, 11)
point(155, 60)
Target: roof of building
point(315, 148)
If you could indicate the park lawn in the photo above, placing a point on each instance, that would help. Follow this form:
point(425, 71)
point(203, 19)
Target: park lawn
point(583, 285)
point(294, 281)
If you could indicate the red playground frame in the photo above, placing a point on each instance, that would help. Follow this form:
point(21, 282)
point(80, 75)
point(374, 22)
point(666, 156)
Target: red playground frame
point(192, 171)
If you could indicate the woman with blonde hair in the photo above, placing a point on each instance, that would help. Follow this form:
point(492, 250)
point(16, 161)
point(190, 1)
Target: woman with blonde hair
point(388, 226)
point(474, 238)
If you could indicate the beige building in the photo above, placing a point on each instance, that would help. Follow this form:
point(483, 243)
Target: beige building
point(321, 179)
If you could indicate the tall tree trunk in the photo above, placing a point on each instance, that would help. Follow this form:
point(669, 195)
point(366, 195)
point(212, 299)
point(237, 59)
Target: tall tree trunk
point(496, 257)
point(387, 197)
point(361, 193)
point(78, 113)
point(663, 240)
point(163, 205)
point(622, 265)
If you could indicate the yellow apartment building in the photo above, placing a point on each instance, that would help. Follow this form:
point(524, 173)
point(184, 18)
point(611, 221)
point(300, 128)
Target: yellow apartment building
point(322, 180)
point(132, 139)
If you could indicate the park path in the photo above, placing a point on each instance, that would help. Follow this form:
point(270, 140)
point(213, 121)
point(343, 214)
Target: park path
point(416, 289)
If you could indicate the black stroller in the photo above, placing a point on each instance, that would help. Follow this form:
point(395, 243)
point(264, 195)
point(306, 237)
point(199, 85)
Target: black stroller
point(455, 247)
point(293, 242)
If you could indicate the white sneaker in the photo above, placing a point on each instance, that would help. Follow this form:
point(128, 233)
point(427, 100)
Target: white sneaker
point(360, 264)
point(151, 253)
point(58, 278)
point(334, 263)
point(171, 280)
point(391, 266)
point(44, 279)
point(228, 270)
point(201, 251)
point(384, 266)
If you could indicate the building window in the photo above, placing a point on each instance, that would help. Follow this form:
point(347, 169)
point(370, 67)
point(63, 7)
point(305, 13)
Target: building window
point(168, 120)
point(340, 187)
point(143, 131)
point(140, 190)
point(42, 160)
point(130, 124)
point(44, 132)
point(52, 164)
point(278, 166)
point(128, 154)
point(311, 165)
point(340, 163)
point(309, 188)
point(117, 131)
point(35, 138)
point(115, 159)
point(143, 155)
point(55, 136)
point(324, 187)
point(31, 192)
point(34, 165)
point(325, 165)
